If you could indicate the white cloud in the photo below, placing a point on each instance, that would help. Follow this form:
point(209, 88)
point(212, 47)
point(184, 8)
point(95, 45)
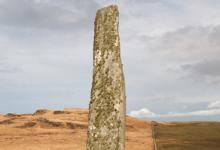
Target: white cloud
point(194, 113)
point(145, 113)
point(214, 105)
point(47, 45)
point(142, 113)
point(63, 15)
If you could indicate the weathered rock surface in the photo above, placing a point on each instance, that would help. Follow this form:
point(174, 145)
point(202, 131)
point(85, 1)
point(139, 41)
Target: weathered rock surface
point(106, 129)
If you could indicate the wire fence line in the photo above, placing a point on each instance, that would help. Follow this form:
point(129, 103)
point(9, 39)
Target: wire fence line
point(153, 123)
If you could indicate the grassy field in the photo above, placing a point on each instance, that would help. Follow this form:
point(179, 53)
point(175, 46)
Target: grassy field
point(187, 136)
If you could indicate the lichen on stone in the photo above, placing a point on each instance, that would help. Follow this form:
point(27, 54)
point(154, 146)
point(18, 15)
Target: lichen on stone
point(106, 129)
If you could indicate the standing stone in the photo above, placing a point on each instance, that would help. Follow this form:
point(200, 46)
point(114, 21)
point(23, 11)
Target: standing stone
point(106, 130)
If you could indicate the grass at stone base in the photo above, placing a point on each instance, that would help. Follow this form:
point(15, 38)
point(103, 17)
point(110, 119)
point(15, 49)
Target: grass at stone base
point(187, 136)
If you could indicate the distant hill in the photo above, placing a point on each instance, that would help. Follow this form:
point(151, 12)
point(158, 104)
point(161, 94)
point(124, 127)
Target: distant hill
point(62, 130)
point(67, 130)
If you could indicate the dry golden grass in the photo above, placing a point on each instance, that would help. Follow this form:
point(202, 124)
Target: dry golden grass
point(62, 130)
point(188, 136)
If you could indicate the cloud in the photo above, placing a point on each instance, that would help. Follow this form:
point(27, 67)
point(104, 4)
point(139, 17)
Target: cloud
point(208, 70)
point(194, 113)
point(213, 109)
point(161, 41)
point(190, 52)
point(144, 112)
point(50, 15)
point(186, 40)
point(47, 51)
point(214, 105)
point(205, 68)
point(7, 67)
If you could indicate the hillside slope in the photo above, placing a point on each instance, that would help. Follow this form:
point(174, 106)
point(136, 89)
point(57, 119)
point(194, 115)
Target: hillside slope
point(62, 130)
point(187, 135)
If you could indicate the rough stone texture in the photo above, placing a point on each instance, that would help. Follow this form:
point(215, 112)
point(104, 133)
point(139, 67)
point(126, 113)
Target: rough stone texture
point(106, 130)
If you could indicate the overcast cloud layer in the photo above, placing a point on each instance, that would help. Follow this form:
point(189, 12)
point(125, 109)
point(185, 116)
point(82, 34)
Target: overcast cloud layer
point(170, 51)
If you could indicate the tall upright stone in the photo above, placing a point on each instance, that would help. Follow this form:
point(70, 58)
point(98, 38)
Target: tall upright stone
point(106, 130)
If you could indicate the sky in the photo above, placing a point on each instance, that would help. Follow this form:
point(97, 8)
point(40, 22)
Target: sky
point(170, 51)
